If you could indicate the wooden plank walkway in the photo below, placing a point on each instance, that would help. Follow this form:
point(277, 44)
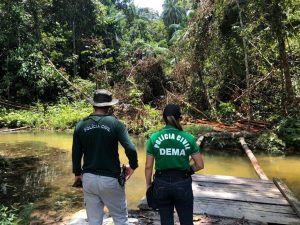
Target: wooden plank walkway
point(235, 197)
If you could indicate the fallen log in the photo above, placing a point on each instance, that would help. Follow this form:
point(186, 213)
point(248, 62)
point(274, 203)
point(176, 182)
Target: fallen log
point(200, 141)
point(286, 192)
point(253, 160)
point(229, 135)
point(258, 123)
point(15, 129)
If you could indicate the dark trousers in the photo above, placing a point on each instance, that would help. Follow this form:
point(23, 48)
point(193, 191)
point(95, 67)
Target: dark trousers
point(170, 192)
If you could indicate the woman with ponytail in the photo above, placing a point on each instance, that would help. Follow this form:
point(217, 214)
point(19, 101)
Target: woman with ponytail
point(171, 149)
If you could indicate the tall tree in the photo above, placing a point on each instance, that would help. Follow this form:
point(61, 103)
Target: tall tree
point(276, 17)
point(34, 9)
point(172, 12)
point(80, 17)
point(245, 46)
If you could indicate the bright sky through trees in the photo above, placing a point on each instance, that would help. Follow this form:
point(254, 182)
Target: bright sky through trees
point(154, 4)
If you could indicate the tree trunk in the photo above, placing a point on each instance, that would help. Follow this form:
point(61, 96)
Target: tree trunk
point(278, 29)
point(204, 101)
point(36, 22)
point(74, 48)
point(259, 171)
point(246, 69)
point(285, 70)
point(19, 35)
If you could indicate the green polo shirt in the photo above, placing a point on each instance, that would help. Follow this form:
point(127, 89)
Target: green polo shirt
point(96, 139)
point(172, 148)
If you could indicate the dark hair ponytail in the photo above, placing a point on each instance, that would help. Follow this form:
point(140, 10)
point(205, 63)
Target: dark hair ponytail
point(170, 120)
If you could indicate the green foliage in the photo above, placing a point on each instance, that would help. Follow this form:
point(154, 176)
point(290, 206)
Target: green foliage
point(8, 216)
point(216, 54)
point(85, 86)
point(289, 131)
point(270, 143)
point(150, 78)
point(135, 96)
point(146, 121)
point(173, 13)
point(154, 129)
point(25, 213)
point(152, 118)
point(217, 142)
point(194, 50)
point(59, 117)
point(65, 116)
point(78, 36)
point(197, 129)
point(92, 40)
point(20, 118)
point(31, 77)
point(226, 112)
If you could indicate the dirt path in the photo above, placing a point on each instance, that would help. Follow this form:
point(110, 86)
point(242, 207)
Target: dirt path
point(136, 217)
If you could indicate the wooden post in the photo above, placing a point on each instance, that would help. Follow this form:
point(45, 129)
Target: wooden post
point(253, 160)
point(286, 192)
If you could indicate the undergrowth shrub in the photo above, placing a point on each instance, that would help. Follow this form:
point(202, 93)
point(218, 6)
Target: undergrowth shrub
point(197, 129)
point(65, 116)
point(8, 216)
point(289, 131)
point(226, 112)
point(59, 117)
point(20, 118)
point(268, 142)
point(146, 120)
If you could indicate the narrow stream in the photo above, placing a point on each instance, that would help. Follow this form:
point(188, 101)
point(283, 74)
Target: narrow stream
point(36, 168)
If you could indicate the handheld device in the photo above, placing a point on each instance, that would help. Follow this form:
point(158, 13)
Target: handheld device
point(122, 177)
point(77, 184)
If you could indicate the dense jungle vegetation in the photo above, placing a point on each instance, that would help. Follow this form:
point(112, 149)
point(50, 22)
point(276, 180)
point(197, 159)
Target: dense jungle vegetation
point(221, 60)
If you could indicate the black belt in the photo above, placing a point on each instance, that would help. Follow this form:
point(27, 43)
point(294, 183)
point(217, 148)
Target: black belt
point(172, 173)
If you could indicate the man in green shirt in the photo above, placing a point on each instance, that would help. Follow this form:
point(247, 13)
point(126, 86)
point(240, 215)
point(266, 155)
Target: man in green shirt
point(96, 139)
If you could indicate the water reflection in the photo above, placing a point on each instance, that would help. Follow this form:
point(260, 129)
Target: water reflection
point(286, 168)
point(21, 179)
point(36, 167)
point(33, 172)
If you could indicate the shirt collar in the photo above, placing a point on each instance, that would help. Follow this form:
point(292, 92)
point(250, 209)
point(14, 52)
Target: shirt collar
point(169, 127)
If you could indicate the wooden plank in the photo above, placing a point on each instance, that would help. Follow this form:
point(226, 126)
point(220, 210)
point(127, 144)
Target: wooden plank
point(238, 196)
point(254, 211)
point(290, 197)
point(253, 187)
point(228, 179)
point(274, 192)
point(241, 186)
point(253, 160)
point(256, 187)
point(248, 205)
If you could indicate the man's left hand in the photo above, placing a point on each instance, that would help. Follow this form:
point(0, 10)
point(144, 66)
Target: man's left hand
point(129, 172)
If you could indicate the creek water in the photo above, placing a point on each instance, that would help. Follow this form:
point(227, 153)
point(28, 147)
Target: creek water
point(36, 167)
